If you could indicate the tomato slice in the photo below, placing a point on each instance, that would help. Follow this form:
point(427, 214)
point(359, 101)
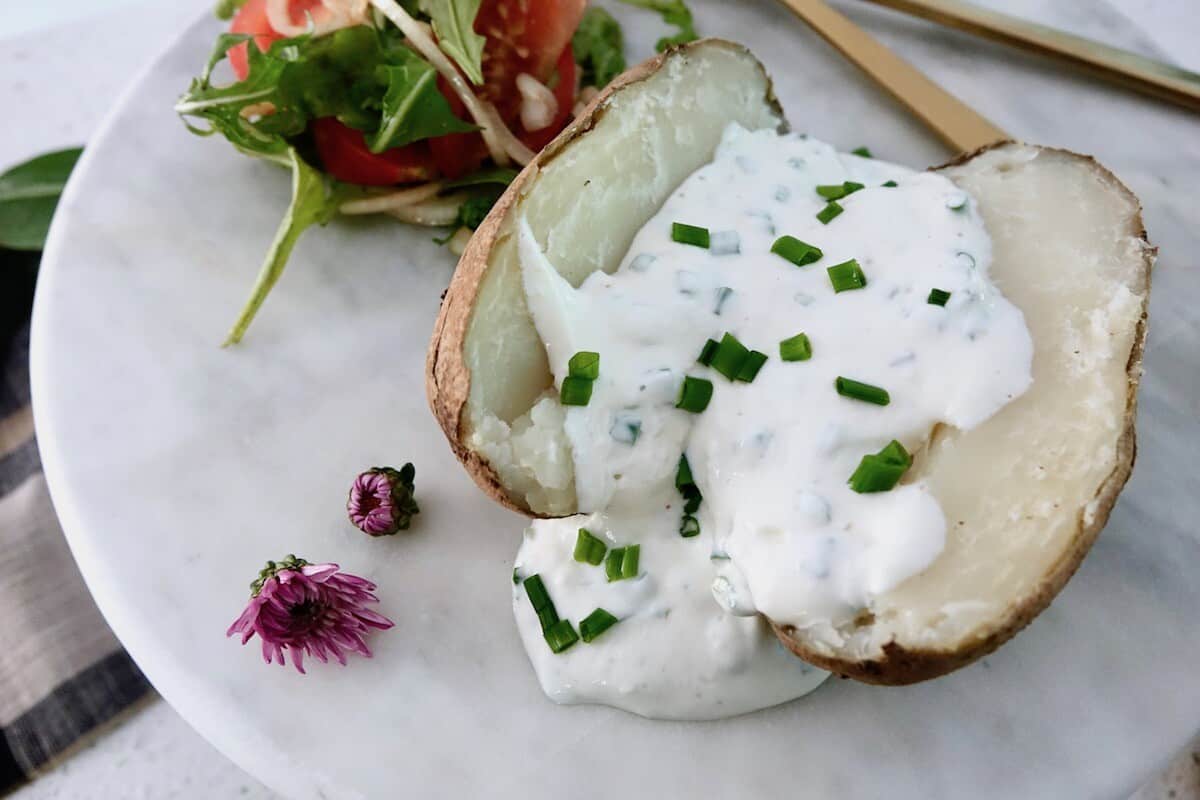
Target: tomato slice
point(252, 18)
point(564, 92)
point(522, 36)
point(345, 156)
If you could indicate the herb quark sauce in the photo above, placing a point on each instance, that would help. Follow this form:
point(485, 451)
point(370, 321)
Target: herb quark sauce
point(905, 332)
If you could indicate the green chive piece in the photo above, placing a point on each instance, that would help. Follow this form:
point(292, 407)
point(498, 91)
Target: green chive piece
point(707, 352)
point(561, 636)
point(539, 598)
point(880, 472)
point(750, 367)
point(861, 151)
point(629, 561)
point(937, 297)
point(695, 394)
point(595, 624)
point(850, 187)
point(797, 348)
point(846, 276)
point(612, 564)
point(689, 526)
point(831, 191)
point(692, 500)
point(516, 577)
point(690, 234)
point(588, 548)
point(890, 184)
point(831, 210)
point(862, 391)
point(729, 356)
point(683, 474)
point(576, 391)
point(584, 364)
point(798, 252)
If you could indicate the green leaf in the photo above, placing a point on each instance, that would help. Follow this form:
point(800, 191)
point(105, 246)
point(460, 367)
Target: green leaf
point(501, 175)
point(314, 202)
point(413, 108)
point(454, 24)
point(29, 194)
point(225, 9)
point(673, 12)
point(599, 47)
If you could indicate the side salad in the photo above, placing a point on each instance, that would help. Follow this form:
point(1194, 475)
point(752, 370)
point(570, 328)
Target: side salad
point(420, 109)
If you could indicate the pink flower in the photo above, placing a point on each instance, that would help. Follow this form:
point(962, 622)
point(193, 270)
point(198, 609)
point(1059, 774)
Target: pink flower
point(309, 609)
point(381, 500)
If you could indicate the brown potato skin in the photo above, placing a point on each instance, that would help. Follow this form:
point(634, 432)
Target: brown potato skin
point(901, 666)
point(447, 378)
point(448, 385)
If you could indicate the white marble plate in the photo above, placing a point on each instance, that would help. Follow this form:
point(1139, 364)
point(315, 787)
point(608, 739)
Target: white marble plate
point(178, 468)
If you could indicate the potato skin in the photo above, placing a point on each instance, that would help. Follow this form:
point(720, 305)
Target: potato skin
point(900, 666)
point(447, 377)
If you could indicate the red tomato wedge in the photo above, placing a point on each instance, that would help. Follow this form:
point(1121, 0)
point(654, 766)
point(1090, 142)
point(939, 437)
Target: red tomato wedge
point(345, 156)
point(252, 18)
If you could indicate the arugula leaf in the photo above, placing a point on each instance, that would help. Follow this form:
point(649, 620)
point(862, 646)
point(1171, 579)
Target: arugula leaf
point(673, 12)
point(501, 175)
point(29, 194)
point(413, 108)
point(314, 202)
point(599, 47)
point(454, 24)
point(225, 9)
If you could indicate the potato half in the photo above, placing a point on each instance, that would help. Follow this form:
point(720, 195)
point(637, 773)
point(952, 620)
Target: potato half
point(1025, 494)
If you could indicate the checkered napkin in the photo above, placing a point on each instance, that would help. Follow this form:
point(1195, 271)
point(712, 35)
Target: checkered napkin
point(62, 673)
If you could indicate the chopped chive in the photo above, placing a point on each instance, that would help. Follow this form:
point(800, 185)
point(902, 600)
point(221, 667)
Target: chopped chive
point(797, 348)
point(937, 297)
point(798, 252)
point(629, 561)
point(516, 577)
point(862, 391)
point(751, 365)
point(880, 472)
point(690, 234)
point(695, 394)
point(890, 184)
point(846, 276)
point(850, 187)
point(683, 474)
point(689, 526)
point(539, 598)
point(831, 210)
point(589, 549)
point(707, 352)
point(561, 636)
point(723, 294)
point(861, 151)
point(584, 364)
point(595, 624)
point(831, 191)
point(729, 356)
point(612, 564)
point(547, 618)
point(576, 391)
point(691, 500)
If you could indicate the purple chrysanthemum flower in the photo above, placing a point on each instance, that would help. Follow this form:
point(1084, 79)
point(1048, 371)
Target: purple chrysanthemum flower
point(309, 609)
point(381, 500)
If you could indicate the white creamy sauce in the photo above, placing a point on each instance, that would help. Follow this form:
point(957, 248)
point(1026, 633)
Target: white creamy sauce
point(782, 533)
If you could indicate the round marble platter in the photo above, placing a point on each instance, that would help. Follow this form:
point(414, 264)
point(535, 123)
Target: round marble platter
point(178, 468)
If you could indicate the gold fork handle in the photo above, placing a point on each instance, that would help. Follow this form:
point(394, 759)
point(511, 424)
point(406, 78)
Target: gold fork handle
point(1164, 81)
point(952, 120)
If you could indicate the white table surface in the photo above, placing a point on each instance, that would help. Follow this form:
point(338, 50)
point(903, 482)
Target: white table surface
point(59, 100)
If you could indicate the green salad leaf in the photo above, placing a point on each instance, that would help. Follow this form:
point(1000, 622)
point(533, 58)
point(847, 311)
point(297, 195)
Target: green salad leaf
point(315, 200)
point(673, 12)
point(413, 108)
point(454, 24)
point(599, 47)
point(29, 194)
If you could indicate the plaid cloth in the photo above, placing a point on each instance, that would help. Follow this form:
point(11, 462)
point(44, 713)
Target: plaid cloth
point(62, 672)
